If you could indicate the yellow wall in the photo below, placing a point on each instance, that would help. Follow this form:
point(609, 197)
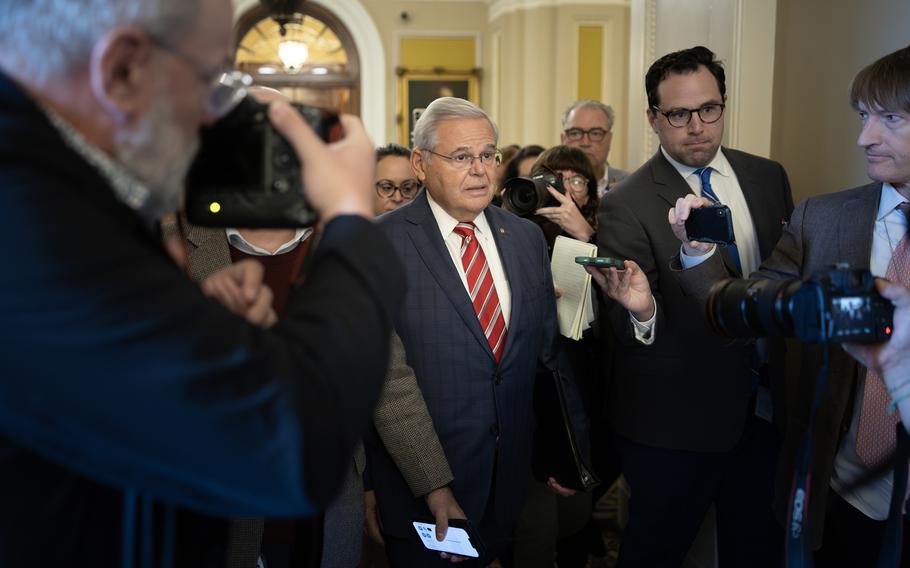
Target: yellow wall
point(590, 61)
point(425, 53)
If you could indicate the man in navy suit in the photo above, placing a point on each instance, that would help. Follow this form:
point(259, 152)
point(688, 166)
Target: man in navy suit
point(479, 314)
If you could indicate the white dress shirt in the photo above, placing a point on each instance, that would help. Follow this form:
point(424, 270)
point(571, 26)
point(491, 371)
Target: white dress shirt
point(874, 498)
point(446, 224)
point(237, 241)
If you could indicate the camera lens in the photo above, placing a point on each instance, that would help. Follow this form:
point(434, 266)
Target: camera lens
point(521, 196)
point(752, 308)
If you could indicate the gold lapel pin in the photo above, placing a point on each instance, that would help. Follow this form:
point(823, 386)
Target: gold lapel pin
point(502, 231)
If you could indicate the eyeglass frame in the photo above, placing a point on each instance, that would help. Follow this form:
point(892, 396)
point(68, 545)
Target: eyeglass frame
point(585, 181)
point(497, 158)
point(216, 77)
point(586, 133)
point(723, 107)
point(398, 188)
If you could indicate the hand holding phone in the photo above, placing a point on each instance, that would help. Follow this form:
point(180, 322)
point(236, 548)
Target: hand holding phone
point(711, 224)
point(600, 262)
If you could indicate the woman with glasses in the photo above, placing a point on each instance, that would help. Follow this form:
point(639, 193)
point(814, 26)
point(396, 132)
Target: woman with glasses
point(396, 183)
point(575, 214)
point(552, 526)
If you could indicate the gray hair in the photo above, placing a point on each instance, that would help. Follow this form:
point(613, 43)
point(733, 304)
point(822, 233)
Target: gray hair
point(49, 38)
point(589, 103)
point(446, 108)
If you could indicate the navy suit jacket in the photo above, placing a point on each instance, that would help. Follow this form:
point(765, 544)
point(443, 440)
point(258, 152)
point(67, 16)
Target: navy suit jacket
point(472, 400)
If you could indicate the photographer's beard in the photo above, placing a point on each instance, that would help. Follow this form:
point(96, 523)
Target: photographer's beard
point(159, 152)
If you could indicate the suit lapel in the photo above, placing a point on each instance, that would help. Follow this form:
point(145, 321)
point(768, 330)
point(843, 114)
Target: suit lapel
point(855, 226)
point(427, 240)
point(509, 252)
point(755, 196)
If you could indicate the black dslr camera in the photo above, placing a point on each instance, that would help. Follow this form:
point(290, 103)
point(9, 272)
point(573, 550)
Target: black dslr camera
point(247, 175)
point(840, 304)
point(523, 196)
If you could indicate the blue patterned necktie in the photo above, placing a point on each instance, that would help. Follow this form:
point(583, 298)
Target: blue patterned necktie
point(704, 174)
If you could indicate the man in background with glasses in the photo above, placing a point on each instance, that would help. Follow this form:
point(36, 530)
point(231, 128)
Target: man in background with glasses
point(479, 315)
point(588, 126)
point(691, 412)
point(128, 397)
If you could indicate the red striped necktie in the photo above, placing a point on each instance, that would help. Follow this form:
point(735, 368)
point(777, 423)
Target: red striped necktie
point(483, 292)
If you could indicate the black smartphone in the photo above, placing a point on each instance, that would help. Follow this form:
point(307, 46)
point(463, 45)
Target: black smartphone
point(600, 262)
point(711, 224)
point(461, 537)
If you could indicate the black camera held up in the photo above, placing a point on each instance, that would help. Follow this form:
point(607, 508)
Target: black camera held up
point(839, 305)
point(525, 195)
point(248, 175)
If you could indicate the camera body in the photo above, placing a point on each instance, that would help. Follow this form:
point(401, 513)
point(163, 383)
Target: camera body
point(525, 195)
point(839, 304)
point(247, 175)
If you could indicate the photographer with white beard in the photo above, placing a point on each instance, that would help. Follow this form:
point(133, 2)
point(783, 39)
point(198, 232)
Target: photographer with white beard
point(128, 396)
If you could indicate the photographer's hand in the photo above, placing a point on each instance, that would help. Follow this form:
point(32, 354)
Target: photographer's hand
point(677, 218)
point(629, 287)
point(240, 288)
point(567, 216)
point(891, 359)
point(337, 177)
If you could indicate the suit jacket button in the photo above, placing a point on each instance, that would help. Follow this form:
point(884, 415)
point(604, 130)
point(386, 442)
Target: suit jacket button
point(497, 379)
point(494, 429)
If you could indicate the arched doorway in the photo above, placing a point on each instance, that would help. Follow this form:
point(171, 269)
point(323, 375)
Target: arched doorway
point(315, 60)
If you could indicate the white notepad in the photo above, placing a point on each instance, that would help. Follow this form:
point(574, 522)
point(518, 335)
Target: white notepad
point(574, 308)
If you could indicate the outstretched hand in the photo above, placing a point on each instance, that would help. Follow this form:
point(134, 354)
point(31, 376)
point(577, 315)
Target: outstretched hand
point(629, 288)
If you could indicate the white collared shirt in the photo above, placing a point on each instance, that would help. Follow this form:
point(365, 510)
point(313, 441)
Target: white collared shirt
point(484, 234)
point(237, 241)
point(874, 498)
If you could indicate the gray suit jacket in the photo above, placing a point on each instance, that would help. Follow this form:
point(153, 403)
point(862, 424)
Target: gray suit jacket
point(823, 231)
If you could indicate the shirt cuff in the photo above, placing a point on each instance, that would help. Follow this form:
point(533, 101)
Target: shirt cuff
point(688, 261)
point(644, 331)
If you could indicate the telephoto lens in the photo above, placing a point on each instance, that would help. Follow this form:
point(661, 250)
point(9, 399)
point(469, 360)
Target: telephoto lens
point(839, 304)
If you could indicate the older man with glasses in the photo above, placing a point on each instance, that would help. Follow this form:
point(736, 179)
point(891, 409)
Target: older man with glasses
point(480, 315)
point(588, 126)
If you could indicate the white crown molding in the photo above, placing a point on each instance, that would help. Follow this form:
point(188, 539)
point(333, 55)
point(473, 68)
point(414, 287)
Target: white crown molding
point(372, 59)
point(642, 48)
point(502, 7)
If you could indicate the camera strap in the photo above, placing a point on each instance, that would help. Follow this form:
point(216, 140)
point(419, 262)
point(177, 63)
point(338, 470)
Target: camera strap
point(798, 553)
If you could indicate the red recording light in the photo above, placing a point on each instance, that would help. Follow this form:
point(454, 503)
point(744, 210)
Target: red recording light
point(887, 330)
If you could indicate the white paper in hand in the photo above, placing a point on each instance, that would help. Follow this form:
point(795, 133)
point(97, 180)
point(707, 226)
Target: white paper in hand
point(456, 540)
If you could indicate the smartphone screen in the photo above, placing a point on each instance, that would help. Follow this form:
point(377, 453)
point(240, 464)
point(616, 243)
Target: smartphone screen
point(457, 540)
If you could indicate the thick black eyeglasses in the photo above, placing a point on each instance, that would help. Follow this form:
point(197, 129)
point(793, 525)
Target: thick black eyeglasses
point(680, 117)
point(408, 188)
point(595, 134)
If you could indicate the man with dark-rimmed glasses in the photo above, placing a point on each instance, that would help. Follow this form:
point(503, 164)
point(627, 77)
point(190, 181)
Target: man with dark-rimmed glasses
point(691, 412)
point(588, 126)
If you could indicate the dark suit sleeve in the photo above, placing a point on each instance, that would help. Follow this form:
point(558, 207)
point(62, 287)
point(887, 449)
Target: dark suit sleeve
point(621, 235)
point(406, 428)
point(116, 367)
